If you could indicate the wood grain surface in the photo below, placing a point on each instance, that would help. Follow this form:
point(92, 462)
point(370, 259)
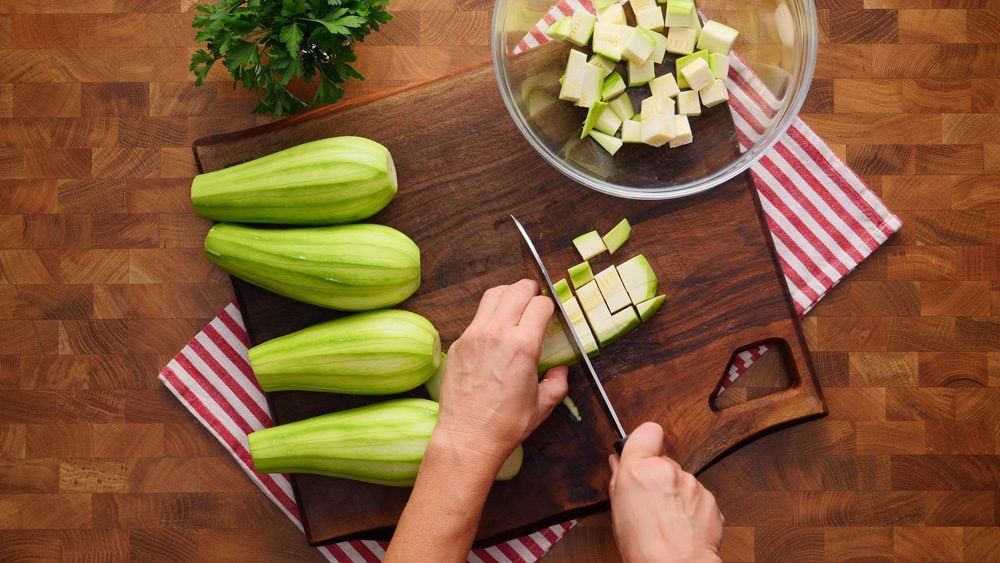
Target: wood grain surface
point(102, 280)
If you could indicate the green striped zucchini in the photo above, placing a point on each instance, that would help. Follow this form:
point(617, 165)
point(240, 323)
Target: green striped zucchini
point(381, 443)
point(346, 267)
point(325, 182)
point(373, 353)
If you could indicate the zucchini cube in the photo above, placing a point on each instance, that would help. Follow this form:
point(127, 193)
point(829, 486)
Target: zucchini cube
point(614, 13)
point(581, 27)
point(622, 106)
point(719, 65)
point(658, 129)
point(678, 13)
point(688, 103)
point(665, 86)
point(632, 131)
point(682, 131)
point(717, 37)
point(650, 18)
point(698, 75)
point(714, 94)
point(640, 46)
point(609, 39)
point(641, 73)
point(607, 142)
point(681, 40)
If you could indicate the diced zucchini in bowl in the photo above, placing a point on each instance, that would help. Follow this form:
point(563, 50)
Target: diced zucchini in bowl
point(658, 130)
point(593, 81)
point(682, 130)
point(719, 65)
point(660, 50)
point(609, 39)
point(606, 64)
point(561, 29)
point(572, 82)
point(650, 18)
point(607, 142)
point(717, 37)
point(581, 27)
point(714, 94)
point(640, 46)
point(657, 105)
point(593, 114)
point(688, 103)
point(678, 14)
point(678, 31)
point(632, 130)
point(681, 40)
point(614, 13)
point(665, 86)
point(641, 73)
point(682, 62)
point(614, 85)
point(622, 106)
point(697, 74)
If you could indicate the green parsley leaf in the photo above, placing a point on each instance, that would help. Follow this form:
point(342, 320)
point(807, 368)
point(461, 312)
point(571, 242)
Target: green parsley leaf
point(266, 44)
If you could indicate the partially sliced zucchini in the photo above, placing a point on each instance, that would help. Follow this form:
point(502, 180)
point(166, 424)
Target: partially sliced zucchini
point(563, 292)
point(580, 274)
point(610, 284)
point(649, 307)
point(638, 278)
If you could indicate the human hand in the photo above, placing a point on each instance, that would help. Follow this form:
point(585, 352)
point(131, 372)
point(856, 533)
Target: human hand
point(660, 512)
point(491, 399)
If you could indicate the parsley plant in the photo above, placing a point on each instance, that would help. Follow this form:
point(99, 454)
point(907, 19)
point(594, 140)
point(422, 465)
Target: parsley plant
point(264, 44)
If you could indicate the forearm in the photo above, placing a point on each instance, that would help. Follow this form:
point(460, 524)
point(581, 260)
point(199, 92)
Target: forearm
point(441, 517)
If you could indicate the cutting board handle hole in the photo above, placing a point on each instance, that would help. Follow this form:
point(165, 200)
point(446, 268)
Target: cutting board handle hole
point(753, 372)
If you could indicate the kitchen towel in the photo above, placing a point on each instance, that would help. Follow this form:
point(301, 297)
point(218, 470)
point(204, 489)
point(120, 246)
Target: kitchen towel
point(823, 219)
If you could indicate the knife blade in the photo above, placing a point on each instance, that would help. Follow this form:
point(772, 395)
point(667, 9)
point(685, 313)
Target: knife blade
point(574, 339)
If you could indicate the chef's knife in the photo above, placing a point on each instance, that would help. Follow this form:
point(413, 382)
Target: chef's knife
point(574, 339)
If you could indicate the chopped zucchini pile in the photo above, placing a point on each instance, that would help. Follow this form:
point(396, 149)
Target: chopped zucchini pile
point(625, 57)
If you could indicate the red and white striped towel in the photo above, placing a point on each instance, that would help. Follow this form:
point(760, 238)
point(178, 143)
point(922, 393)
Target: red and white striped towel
point(823, 220)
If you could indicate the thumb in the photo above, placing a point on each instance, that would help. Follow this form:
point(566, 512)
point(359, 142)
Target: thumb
point(552, 390)
point(645, 441)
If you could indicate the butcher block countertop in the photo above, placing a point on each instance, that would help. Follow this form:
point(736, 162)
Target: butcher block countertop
point(102, 280)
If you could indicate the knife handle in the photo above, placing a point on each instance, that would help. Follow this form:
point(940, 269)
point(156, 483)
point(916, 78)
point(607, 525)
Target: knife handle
point(620, 445)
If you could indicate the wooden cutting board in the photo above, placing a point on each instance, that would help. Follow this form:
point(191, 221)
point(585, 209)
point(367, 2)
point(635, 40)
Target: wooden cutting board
point(463, 170)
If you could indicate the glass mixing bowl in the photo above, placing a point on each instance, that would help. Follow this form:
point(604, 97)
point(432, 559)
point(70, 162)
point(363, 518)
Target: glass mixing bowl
point(775, 54)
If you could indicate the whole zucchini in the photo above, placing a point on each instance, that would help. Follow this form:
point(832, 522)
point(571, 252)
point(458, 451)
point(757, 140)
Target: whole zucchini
point(346, 267)
point(324, 182)
point(382, 443)
point(373, 353)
